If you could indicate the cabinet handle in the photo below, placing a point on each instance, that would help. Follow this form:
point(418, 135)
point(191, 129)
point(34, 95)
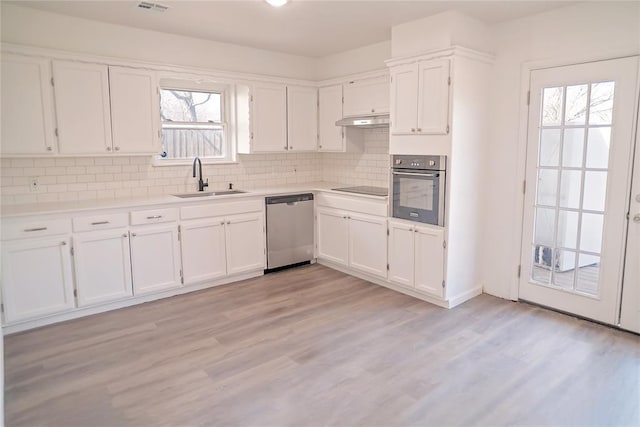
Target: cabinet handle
point(63, 243)
point(415, 230)
point(373, 110)
point(228, 222)
point(117, 148)
point(49, 148)
point(133, 234)
point(319, 146)
point(124, 235)
point(286, 148)
point(413, 130)
point(291, 147)
point(344, 217)
point(29, 230)
point(108, 148)
point(222, 223)
point(419, 130)
point(154, 217)
point(100, 223)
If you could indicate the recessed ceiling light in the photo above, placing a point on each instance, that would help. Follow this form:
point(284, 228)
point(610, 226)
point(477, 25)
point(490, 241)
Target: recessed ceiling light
point(277, 3)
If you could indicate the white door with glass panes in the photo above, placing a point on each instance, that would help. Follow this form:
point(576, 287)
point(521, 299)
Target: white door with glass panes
point(302, 118)
point(579, 151)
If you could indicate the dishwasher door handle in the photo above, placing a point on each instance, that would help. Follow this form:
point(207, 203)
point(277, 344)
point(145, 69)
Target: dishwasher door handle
point(292, 203)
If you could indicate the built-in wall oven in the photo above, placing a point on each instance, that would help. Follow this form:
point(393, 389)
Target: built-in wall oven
point(418, 186)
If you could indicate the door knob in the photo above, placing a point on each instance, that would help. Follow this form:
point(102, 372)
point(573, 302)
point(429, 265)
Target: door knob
point(636, 217)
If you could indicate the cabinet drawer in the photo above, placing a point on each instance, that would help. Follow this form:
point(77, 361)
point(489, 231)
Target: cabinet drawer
point(25, 228)
point(153, 216)
point(221, 209)
point(100, 222)
point(355, 204)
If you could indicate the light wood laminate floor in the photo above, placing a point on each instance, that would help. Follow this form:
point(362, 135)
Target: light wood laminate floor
point(312, 346)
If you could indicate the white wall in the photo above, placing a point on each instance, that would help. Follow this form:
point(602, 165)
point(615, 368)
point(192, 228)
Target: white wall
point(366, 58)
point(583, 31)
point(22, 25)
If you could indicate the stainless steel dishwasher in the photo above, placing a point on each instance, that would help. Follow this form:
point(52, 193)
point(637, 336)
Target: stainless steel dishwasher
point(289, 230)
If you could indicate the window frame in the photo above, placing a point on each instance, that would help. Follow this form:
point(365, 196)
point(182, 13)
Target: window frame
point(202, 85)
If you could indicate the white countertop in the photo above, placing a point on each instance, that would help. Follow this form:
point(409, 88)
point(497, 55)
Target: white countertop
point(133, 202)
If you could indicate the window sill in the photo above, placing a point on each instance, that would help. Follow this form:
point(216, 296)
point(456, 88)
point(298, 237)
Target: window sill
point(189, 162)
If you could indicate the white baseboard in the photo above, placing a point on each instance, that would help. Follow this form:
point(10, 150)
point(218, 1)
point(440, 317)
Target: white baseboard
point(86, 311)
point(464, 296)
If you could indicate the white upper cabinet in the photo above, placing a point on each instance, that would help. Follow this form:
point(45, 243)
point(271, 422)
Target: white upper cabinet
point(268, 116)
point(27, 106)
point(329, 112)
point(420, 98)
point(302, 118)
point(366, 97)
point(82, 107)
point(134, 110)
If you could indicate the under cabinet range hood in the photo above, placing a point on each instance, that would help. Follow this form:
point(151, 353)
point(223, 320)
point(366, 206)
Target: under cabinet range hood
point(381, 121)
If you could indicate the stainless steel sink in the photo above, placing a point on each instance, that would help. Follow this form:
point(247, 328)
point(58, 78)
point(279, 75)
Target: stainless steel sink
point(208, 193)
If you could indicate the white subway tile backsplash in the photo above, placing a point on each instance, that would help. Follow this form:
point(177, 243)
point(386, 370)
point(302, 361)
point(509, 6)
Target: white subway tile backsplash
point(89, 178)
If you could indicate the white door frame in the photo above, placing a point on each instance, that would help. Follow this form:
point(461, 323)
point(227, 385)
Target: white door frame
point(523, 129)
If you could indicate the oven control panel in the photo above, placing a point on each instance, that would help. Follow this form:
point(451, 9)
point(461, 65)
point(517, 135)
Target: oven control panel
point(419, 162)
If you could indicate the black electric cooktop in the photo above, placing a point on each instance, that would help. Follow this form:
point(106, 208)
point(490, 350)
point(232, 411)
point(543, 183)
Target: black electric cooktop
point(364, 189)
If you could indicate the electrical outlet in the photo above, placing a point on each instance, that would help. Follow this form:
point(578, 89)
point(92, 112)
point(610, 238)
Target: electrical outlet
point(34, 184)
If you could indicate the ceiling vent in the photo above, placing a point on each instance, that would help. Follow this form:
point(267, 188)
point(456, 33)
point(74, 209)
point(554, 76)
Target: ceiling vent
point(152, 6)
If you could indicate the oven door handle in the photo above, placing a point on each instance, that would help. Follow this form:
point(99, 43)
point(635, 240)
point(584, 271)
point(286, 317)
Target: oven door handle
point(429, 175)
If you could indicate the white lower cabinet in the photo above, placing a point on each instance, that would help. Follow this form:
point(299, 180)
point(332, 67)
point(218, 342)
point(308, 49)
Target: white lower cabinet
point(155, 258)
point(36, 278)
point(203, 250)
point(245, 243)
point(353, 239)
point(102, 266)
point(416, 257)
point(217, 247)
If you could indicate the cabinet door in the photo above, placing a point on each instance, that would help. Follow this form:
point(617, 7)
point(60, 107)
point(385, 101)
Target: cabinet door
point(367, 97)
point(203, 250)
point(368, 244)
point(404, 99)
point(401, 253)
point(333, 236)
point(433, 97)
point(27, 106)
point(329, 112)
point(102, 266)
point(135, 110)
point(268, 118)
point(302, 118)
point(429, 259)
point(245, 243)
point(155, 258)
point(36, 278)
point(82, 107)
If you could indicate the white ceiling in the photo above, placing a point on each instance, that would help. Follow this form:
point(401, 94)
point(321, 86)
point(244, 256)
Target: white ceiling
point(302, 27)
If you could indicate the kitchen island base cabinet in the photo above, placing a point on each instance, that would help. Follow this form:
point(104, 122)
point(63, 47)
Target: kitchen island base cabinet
point(102, 266)
point(416, 257)
point(155, 258)
point(36, 278)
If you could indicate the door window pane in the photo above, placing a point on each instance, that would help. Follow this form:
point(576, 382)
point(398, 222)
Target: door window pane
point(576, 108)
point(572, 147)
point(547, 187)
point(549, 147)
point(552, 106)
point(595, 191)
point(567, 229)
point(588, 274)
point(570, 185)
point(563, 269)
point(541, 266)
point(599, 140)
point(545, 219)
point(601, 105)
point(591, 232)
